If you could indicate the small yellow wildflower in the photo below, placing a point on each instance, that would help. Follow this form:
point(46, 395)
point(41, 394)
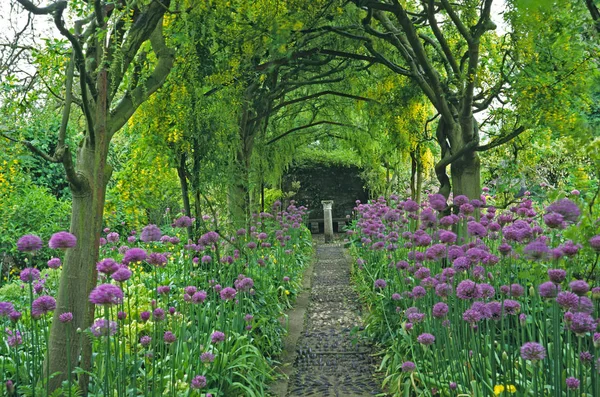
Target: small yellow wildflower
point(499, 389)
point(287, 292)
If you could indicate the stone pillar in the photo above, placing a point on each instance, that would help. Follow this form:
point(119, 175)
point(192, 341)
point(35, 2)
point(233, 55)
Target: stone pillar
point(327, 204)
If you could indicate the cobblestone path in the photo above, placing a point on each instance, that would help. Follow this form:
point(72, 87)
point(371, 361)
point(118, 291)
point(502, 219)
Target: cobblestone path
point(330, 358)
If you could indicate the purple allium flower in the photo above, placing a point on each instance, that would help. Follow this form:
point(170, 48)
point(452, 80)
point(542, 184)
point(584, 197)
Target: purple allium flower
point(29, 274)
point(54, 263)
point(516, 290)
point(207, 357)
point(123, 249)
point(13, 339)
point(169, 337)
point(102, 241)
point(572, 383)
point(472, 316)
point(145, 316)
point(131, 239)
point(121, 315)
point(157, 259)
point(565, 207)
point(579, 287)
point(487, 291)
point(228, 293)
point(408, 366)
point(145, 340)
point(198, 382)
point(461, 264)
point(537, 250)
point(150, 233)
point(380, 283)
point(248, 318)
point(163, 289)
point(106, 294)
point(582, 323)
point(122, 274)
point(557, 275)
point(595, 243)
point(443, 290)
point(468, 289)
point(437, 202)
point(569, 248)
point(251, 245)
point(134, 255)
point(217, 337)
point(533, 351)
point(511, 307)
point(183, 222)
point(66, 317)
point(548, 290)
point(101, 327)
point(476, 229)
point(62, 240)
point(209, 238)
point(107, 266)
point(199, 297)
point(206, 259)
point(112, 237)
point(158, 314)
point(411, 206)
point(567, 300)
point(554, 220)
point(396, 296)
point(596, 292)
point(29, 243)
point(6, 308)
point(460, 200)
point(586, 357)
point(453, 386)
point(15, 316)
point(439, 310)
point(426, 339)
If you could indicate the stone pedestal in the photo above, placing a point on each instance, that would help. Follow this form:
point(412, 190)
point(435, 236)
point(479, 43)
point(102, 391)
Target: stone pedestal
point(327, 216)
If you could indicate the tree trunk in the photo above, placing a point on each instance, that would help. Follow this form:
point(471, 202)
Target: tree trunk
point(466, 176)
point(413, 174)
point(239, 190)
point(419, 182)
point(185, 193)
point(79, 275)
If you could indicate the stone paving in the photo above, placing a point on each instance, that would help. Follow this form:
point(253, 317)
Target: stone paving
point(331, 360)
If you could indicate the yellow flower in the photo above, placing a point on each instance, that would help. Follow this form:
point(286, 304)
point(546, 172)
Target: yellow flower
point(498, 389)
point(287, 292)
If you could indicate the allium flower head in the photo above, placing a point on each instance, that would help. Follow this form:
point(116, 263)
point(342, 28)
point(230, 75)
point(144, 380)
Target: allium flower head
point(6, 308)
point(134, 255)
point(565, 207)
point(228, 293)
point(557, 275)
point(217, 337)
point(29, 274)
point(595, 243)
point(582, 323)
point(42, 305)
point(66, 317)
point(567, 300)
point(439, 310)
point(158, 314)
point(145, 340)
point(207, 357)
point(150, 233)
point(101, 327)
point(533, 351)
point(62, 240)
point(548, 290)
point(209, 238)
point(426, 339)
point(468, 289)
point(122, 274)
point(579, 287)
point(198, 382)
point(199, 297)
point(157, 259)
point(408, 366)
point(511, 307)
point(106, 294)
point(112, 237)
point(169, 337)
point(54, 263)
point(183, 222)
point(437, 202)
point(572, 383)
point(107, 266)
point(29, 243)
point(537, 250)
point(380, 283)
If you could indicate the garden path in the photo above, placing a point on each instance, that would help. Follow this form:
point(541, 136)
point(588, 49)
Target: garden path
point(331, 360)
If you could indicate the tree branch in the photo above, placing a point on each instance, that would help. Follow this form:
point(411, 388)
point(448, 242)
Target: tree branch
point(320, 94)
point(502, 140)
point(305, 127)
point(132, 99)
